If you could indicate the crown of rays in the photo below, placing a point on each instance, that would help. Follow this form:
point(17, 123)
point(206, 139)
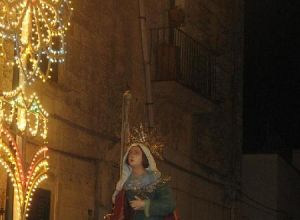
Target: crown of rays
point(149, 138)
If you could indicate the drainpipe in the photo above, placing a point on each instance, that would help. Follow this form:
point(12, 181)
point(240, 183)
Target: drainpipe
point(97, 193)
point(146, 57)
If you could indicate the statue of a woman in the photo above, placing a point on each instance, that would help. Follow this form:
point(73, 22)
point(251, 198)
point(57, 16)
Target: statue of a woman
point(142, 193)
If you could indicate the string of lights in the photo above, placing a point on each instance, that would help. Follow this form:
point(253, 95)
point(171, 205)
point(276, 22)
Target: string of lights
point(24, 186)
point(36, 29)
point(32, 41)
point(28, 114)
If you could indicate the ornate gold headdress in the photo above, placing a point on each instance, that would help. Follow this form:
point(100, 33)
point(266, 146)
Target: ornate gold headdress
point(149, 138)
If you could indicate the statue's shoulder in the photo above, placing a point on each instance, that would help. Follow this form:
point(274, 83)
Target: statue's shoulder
point(164, 180)
point(160, 181)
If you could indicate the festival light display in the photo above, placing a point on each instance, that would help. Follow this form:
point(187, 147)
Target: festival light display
point(32, 40)
point(37, 31)
point(27, 113)
point(24, 186)
point(29, 119)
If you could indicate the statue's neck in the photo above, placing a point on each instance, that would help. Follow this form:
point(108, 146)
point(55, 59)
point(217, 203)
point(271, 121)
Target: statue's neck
point(138, 171)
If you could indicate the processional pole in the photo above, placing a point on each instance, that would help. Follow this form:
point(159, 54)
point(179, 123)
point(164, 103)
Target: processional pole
point(125, 126)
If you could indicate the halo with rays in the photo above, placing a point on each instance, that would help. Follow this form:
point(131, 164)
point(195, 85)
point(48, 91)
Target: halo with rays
point(149, 138)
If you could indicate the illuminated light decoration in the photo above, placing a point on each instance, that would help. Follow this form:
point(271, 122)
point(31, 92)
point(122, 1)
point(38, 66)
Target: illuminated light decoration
point(37, 31)
point(32, 41)
point(27, 113)
point(11, 161)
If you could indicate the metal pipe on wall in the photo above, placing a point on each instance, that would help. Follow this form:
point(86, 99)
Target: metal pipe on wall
point(147, 70)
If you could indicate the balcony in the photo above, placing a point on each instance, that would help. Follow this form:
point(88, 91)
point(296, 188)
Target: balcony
point(175, 56)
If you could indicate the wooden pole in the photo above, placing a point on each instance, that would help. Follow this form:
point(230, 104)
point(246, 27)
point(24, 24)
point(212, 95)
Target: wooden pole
point(125, 126)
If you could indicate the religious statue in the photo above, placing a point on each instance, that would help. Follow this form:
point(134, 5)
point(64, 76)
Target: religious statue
point(142, 191)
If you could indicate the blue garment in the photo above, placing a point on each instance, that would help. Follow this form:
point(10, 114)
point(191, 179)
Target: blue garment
point(152, 188)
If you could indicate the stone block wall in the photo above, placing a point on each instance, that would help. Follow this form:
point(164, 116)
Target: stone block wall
point(273, 192)
point(104, 59)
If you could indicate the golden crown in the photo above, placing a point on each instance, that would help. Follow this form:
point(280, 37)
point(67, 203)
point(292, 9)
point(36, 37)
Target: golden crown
point(149, 138)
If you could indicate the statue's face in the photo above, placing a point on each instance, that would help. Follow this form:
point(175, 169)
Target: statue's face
point(135, 156)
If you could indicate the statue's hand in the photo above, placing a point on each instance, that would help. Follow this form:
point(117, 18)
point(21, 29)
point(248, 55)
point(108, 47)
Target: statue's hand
point(137, 204)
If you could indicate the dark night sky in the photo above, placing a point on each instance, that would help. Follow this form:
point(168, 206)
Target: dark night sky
point(271, 80)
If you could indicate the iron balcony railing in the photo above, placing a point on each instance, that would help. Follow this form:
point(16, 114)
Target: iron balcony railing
point(177, 56)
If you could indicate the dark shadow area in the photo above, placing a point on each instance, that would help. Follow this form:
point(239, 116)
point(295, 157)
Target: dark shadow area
point(272, 77)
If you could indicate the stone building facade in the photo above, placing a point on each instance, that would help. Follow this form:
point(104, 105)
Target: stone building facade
point(104, 60)
point(273, 192)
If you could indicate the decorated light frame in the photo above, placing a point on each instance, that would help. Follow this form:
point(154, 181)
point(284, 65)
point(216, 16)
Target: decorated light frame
point(24, 186)
point(32, 40)
point(26, 113)
point(37, 30)
point(13, 107)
